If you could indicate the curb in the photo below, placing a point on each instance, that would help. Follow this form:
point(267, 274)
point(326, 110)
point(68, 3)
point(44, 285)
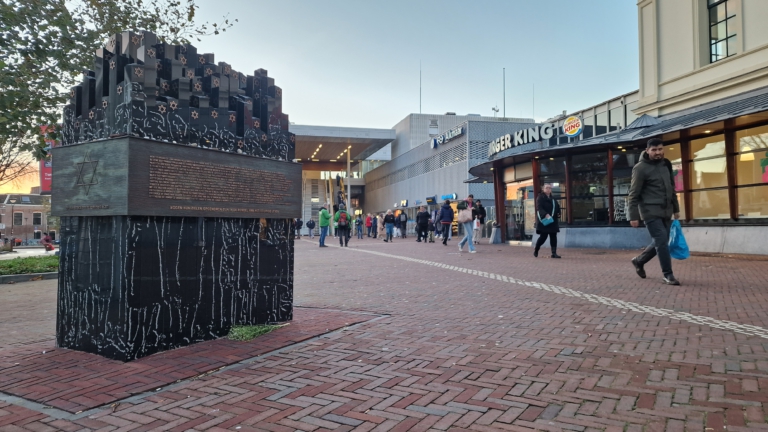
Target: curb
point(28, 277)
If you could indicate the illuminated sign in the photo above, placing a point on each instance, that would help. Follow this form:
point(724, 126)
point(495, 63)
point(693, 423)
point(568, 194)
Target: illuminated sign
point(444, 138)
point(432, 200)
point(573, 126)
point(452, 196)
point(523, 136)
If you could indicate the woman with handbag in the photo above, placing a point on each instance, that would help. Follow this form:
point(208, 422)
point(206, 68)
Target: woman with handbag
point(466, 219)
point(547, 213)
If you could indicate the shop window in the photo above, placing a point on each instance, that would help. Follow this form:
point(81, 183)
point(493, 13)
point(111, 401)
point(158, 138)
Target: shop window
point(616, 120)
point(674, 154)
point(37, 218)
point(552, 171)
point(722, 29)
point(709, 147)
point(752, 158)
point(589, 188)
point(710, 204)
point(623, 162)
point(601, 123)
point(753, 202)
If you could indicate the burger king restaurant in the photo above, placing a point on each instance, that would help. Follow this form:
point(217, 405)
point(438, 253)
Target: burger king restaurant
point(719, 155)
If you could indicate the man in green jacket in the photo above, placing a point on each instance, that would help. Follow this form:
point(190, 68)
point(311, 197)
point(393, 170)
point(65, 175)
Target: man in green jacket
point(324, 219)
point(344, 223)
point(652, 198)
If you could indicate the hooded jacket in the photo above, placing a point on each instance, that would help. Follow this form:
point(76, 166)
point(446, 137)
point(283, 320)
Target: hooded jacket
point(446, 214)
point(324, 218)
point(652, 193)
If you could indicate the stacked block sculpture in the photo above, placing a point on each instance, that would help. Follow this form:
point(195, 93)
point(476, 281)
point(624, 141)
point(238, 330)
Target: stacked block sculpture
point(176, 190)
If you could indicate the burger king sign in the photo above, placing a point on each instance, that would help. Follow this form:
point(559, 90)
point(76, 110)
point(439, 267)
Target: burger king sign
point(573, 126)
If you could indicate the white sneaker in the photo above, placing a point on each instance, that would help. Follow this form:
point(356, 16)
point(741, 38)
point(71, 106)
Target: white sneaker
point(460, 249)
point(474, 251)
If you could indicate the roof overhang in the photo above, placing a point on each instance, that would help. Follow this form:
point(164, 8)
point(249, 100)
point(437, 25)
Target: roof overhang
point(330, 143)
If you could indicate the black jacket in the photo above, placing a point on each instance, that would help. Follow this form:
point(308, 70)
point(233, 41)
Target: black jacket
point(311, 224)
point(299, 223)
point(546, 206)
point(422, 218)
point(446, 214)
point(389, 219)
point(480, 213)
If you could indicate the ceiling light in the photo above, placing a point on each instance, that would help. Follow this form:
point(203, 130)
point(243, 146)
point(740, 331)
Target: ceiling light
point(491, 169)
point(349, 147)
point(316, 160)
point(619, 147)
point(319, 146)
point(623, 150)
point(551, 158)
point(333, 160)
point(707, 131)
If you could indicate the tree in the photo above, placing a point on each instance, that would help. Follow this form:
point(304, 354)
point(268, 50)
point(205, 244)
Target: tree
point(46, 44)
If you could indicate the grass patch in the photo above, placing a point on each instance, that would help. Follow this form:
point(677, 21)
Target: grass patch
point(246, 333)
point(37, 264)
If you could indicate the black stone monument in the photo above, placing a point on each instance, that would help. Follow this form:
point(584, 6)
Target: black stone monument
point(176, 190)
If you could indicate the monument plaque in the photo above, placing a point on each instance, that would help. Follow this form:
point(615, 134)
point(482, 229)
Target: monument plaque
point(177, 192)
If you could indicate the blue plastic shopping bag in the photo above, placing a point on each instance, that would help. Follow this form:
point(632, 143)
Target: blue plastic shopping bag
point(678, 247)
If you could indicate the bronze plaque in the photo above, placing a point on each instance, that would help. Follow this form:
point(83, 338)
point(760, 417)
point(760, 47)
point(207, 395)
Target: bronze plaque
point(134, 176)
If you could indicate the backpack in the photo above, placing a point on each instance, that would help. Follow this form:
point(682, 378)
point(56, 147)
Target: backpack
point(403, 217)
point(343, 219)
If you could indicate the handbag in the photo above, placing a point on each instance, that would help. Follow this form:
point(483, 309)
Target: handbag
point(465, 215)
point(477, 224)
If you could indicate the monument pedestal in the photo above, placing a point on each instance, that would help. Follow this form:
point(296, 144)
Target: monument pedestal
point(164, 245)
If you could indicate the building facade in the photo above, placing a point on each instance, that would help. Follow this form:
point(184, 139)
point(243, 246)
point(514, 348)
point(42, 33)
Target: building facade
point(25, 217)
point(704, 92)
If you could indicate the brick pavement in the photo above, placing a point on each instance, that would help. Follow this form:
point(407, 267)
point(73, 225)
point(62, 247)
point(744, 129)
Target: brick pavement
point(490, 341)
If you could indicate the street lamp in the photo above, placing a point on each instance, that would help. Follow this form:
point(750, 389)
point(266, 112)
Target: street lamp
point(26, 237)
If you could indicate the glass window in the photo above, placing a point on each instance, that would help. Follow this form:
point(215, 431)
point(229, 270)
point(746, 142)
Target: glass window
point(722, 29)
point(623, 163)
point(617, 118)
point(37, 218)
point(589, 127)
point(753, 202)
point(551, 166)
point(38, 235)
point(709, 173)
point(710, 204)
point(708, 147)
point(674, 154)
point(17, 218)
point(754, 139)
point(630, 115)
point(752, 168)
point(553, 171)
point(601, 123)
point(589, 188)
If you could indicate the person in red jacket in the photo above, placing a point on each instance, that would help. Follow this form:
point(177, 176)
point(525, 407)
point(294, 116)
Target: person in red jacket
point(368, 224)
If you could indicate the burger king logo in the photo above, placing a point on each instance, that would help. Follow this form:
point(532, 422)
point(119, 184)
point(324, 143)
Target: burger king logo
point(573, 126)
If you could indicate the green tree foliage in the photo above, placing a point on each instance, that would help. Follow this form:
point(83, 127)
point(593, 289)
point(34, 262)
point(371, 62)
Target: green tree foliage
point(46, 44)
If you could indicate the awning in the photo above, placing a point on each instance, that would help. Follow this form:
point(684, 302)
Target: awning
point(478, 180)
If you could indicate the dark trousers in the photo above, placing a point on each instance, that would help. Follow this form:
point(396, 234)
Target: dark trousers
point(343, 234)
point(422, 231)
point(552, 241)
point(369, 229)
point(659, 230)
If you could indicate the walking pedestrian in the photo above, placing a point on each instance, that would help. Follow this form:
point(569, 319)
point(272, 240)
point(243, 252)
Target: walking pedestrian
point(404, 223)
point(311, 228)
point(368, 224)
point(359, 226)
point(446, 219)
point(343, 222)
point(547, 208)
point(324, 220)
point(431, 228)
point(435, 216)
point(480, 214)
point(389, 223)
point(422, 224)
point(466, 209)
point(381, 226)
point(299, 225)
point(397, 226)
point(375, 226)
point(47, 243)
point(652, 198)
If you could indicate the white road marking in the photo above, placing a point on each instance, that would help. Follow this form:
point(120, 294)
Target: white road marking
point(621, 304)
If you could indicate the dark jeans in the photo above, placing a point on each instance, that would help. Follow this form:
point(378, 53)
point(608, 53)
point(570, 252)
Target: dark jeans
point(343, 234)
point(369, 229)
point(659, 230)
point(552, 241)
point(422, 231)
point(323, 233)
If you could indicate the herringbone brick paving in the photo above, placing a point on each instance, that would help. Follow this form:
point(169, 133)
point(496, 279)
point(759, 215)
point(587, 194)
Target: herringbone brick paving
point(461, 351)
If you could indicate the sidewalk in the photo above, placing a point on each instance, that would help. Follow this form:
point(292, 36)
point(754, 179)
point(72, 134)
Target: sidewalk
point(496, 340)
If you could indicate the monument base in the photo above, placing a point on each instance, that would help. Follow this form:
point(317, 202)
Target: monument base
point(131, 286)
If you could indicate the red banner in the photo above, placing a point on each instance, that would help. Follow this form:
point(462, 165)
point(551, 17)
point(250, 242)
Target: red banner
point(46, 172)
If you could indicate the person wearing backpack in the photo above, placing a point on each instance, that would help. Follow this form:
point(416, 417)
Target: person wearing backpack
point(403, 222)
point(311, 228)
point(445, 219)
point(375, 226)
point(299, 225)
point(422, 224)
point(343, 221)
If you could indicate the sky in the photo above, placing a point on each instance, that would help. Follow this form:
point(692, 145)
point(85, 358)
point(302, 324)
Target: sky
point(356, 63)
